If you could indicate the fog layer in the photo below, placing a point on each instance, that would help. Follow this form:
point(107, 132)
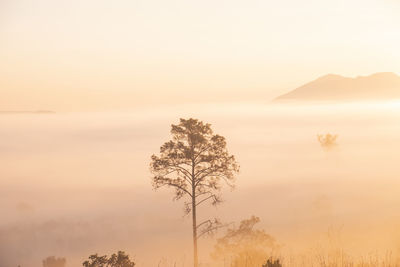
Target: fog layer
point(74, 184)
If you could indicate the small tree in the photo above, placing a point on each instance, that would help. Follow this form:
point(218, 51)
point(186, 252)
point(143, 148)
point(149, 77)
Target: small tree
point(245, 246)
point(115, 260)
point(54, 262)
point(195, 163)
point(272, 263)
point(327, 141)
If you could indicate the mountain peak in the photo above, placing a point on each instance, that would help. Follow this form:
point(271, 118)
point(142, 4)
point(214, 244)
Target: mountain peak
point(330, 77)
point(383, 75)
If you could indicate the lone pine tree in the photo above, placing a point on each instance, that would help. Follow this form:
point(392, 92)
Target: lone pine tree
point(195, 163)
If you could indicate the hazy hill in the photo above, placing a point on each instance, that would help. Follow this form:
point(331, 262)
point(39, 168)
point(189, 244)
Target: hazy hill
point(379, 86)
point(26, 112)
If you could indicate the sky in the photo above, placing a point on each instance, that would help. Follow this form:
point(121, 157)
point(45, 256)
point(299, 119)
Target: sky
point(104, 55)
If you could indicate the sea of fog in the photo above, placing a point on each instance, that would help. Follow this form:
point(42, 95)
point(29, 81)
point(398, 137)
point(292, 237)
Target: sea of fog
point(75, 184)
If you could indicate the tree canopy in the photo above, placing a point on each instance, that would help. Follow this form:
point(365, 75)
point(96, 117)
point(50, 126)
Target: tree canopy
point(245, 245)
point(327, 141)
point(121, 259)
point(54, 262)
point(195, 157)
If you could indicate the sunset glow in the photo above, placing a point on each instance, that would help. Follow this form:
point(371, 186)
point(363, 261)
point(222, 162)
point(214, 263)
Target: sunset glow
point(182, 133)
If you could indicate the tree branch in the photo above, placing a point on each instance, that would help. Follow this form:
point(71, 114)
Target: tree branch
point(177, 186)
point(207, 198)
point(210, 230)
point(207, 221)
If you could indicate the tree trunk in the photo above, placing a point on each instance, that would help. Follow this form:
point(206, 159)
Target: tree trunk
point(195, 256)
point(194, 219)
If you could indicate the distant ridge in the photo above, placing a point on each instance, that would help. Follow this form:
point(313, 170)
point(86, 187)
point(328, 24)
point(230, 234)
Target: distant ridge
point(332, 87)
point(26, 112)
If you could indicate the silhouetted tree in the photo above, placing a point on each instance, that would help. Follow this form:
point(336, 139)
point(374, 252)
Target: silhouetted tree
point(245, 246)
point(327, 141)
point(115, 260)
point(54, 262)
point(195, 163)
point(272, 263)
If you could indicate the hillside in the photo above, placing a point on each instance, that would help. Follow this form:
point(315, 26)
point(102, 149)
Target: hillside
point(26, 112)
point(333, 87)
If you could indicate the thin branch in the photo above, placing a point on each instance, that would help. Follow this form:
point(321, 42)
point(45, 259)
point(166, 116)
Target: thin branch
point(207, 221)
point(201, 171)
point(205, 199)
point(185, 172)
point(207, 231)
point(203, 193)
point(177, 186)
point(201, 151)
